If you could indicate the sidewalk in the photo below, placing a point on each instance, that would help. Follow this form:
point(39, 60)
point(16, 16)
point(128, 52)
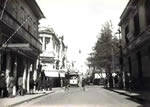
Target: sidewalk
point(5, 102)
point(139, 95)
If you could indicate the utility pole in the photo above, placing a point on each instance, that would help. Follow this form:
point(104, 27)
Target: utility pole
point(121, 58)
point(120, 50)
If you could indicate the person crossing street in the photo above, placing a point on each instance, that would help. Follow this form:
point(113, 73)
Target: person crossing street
point(66, 84)
point(83, 84)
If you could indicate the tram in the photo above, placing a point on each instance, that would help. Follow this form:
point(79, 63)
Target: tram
point(74, 79)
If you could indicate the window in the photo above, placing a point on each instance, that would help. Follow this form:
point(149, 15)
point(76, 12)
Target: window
point(136, 25)
point(126, 33)
point(47, 40)
point(147, 12)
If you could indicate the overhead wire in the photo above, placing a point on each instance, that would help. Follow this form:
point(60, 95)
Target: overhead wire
point(1, 16)
point(5, 43)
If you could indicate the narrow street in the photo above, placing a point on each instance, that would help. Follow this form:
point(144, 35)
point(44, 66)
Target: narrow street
point(93, 96)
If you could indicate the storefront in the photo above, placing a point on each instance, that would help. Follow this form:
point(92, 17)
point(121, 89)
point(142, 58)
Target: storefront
point(19, 62)
point(57, 76)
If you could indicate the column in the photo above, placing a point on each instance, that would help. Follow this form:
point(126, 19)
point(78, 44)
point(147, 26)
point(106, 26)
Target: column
point(8, 68)
point(43, 44)
point(15, 76)
point(28, 76)
point(35, 74)
point(25, 74)
point(0, 60)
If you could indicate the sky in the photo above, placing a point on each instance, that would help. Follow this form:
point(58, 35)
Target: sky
point(80, 21)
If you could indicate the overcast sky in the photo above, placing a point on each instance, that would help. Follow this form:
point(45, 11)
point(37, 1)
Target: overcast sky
point(80, 21)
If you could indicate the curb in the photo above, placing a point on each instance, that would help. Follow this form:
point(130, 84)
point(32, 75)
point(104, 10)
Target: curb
point(135, 97)
point(18, 103)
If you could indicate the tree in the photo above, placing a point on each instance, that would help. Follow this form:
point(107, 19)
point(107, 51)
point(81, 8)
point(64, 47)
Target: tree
point(105, 49)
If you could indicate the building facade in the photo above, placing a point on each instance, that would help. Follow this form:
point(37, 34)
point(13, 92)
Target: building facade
point(135, 29)
point(50, 48)
point(53, 58)
point(19, 43)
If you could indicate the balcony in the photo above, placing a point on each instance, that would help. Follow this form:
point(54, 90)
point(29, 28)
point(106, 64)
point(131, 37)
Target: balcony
point(138, 40)
point(9, 24)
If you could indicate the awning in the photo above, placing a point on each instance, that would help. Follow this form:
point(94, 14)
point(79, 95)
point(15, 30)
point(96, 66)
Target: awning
point(54, 73)
point(47, 59)
point(51, 73)
point(22, 46)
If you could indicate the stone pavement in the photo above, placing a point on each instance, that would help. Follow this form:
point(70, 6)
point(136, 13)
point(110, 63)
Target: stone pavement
point(140, 95)
point(9, 102)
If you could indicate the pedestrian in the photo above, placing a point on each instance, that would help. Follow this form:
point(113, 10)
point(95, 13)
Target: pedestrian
point(126, 81)
point(116, 81)
point(120, 81)
point(130, 83)
point(83, 84)
point(10, 86)
point(2, 84)
point(39, 82)
point(66, 84)
point(50, 83)
point(20, 84)
point(110, 80)
point(61, 82)
point(31, 85)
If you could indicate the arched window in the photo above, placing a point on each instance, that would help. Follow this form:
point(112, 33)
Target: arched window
point(147, 12)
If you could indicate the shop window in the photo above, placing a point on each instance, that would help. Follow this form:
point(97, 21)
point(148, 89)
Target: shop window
point(136, 25)
point(147, 12)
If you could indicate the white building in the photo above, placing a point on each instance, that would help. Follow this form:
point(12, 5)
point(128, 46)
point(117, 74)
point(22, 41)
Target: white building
point(53, 57)
point(50, 48)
